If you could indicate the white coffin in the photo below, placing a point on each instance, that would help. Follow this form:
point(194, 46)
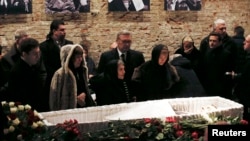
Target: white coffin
point(94, 117)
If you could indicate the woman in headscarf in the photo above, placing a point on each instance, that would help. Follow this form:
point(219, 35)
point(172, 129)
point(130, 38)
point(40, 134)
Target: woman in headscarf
point(189, 51)
point(69, 85)
point(154, 78)
point(110, 86)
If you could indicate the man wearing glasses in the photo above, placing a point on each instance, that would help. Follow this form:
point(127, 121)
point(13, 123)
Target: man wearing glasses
point(131, 58)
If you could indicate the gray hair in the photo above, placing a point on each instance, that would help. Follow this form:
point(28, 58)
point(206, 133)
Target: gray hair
point(124, 32)
point(19, 34)
point(217, 22)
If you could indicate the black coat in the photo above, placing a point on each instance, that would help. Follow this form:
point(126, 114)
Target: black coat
point(51, 55)
point(189, 84)
point(193, 57)
point(242, 89)
point(215, 63)
point(227, 43)
point(25, 86)
point(151, 80)
point(239, 40)
point(7, 63)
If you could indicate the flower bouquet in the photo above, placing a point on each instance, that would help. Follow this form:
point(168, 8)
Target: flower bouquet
point(151, 129)
point(25, 124)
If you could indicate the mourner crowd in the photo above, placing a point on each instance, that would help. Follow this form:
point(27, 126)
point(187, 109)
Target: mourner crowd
point(58, 74)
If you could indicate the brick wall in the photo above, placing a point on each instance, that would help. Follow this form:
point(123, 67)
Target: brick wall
point(148, 27)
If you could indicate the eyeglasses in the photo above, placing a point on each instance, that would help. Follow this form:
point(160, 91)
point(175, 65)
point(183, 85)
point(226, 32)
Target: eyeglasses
point(126, 41)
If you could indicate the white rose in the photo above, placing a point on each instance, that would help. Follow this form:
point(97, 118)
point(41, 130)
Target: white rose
point(13, 110)
point(11, 104)
point(3, 102)
point(11, 129)
point(34, 125)
point(27, 107)
point(40, 123)
point(35, 113)
point(5, 131)
point(16, 121)
point(19, 137)
point(20, 107)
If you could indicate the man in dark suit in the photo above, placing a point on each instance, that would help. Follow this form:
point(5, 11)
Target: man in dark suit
point(132, 58)
point(50, 49)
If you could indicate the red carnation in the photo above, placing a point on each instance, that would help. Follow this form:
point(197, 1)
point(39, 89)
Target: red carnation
point(244, 122)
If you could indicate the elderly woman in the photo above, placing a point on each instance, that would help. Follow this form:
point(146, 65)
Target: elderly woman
point(155, 77)
point(110, 86)
point(69, 85)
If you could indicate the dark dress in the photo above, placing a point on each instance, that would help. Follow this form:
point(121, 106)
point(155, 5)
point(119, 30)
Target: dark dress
point(108, 88)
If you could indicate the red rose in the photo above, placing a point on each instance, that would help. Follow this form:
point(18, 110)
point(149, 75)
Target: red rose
point(177, 126)
point(244, 122)
point(170, 119)
point(194, 135)
point(147, 120)
point(179, 133)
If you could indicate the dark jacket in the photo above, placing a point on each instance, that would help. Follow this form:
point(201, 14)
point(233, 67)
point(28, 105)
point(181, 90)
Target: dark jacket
point(227, 43)
point(239, 40)
point(189, 84)
point(193, 57)
point(242, 89)
point(7, 63)
point(133, 60)
point(25, 86)
point(153, 81)
point(215, 63)
point(91, 66)
point(108, 88)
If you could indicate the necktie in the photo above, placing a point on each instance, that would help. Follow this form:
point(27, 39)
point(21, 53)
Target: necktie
point(123, 57)
point(126, 91)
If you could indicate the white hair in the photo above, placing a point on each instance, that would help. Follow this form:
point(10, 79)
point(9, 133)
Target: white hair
point(218, 21)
